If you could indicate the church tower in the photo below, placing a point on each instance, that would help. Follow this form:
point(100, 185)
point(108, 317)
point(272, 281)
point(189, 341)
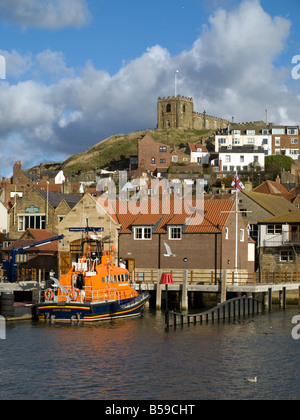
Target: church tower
point(175, 112)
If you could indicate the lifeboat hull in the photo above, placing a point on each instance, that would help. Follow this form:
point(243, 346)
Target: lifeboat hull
point(89, 312)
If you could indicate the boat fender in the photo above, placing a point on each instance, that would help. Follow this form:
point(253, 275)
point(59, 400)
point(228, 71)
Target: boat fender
point(49, 295)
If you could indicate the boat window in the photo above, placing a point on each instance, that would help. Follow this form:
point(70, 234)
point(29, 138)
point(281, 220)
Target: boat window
point(103, 279)
point(126, 277)
point(122, 277)
point(115, 278)
point(119, 277)
point(106, 279)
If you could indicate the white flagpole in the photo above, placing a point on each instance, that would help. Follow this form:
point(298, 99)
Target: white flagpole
point(236, 275)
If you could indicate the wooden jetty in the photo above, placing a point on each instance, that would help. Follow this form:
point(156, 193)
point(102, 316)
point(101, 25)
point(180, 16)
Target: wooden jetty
point(231, 309)
point(263, 286)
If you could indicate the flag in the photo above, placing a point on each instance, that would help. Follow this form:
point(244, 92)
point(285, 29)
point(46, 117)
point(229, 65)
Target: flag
point(237, 184)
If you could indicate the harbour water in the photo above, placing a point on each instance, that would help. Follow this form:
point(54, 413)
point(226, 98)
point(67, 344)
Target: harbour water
point(138, 359)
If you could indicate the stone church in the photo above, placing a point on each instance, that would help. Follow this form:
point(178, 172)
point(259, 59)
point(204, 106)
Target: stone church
point(178, 112)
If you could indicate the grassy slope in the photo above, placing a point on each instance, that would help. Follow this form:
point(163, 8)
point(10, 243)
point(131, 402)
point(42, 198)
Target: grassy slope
point(115, 151)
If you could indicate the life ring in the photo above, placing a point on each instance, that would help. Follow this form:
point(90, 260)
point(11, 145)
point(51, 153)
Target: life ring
point(75, 293)
point(49, 295)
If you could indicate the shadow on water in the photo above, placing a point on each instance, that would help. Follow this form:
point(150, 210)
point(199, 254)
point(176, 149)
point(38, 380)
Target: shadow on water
point(139, 359)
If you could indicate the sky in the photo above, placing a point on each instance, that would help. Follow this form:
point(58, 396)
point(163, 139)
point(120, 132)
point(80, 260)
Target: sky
point(79, 71)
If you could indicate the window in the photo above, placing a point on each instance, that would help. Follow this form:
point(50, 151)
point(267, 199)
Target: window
point(278, 131)
point(33, 222)
point(21, 258)
point(294, 152)
point(169, 108)
point(265, 132)
point(222, 141)
point(242, 158)
point(236, 132)
point(174, 159)
point(274, 229)
point(250, 140)
point(250, 132)
point(277, 141)
point(255, 159)
point(277, 151)
point(226, 233)
point(175, 232)
point(236, 141)
point(227, 158)
point(162, 149)
point(244, 212)
point(292, 131)
point(265, 141)
point(242, 235)
point(286, 256)
point(224, 167)
point(162, 161)
point(153, 161)
point(143, 233)
point(294, 141)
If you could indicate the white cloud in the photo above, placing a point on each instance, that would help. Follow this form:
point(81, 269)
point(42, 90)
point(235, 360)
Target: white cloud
point(46, 14)
point(229, 71)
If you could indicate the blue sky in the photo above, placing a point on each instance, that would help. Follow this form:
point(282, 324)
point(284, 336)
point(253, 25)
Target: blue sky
point(78, 71)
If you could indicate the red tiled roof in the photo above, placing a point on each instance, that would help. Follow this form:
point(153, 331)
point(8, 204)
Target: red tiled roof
point(35, 235)
point(271, 187)
point(202, 216)
point(195, 147)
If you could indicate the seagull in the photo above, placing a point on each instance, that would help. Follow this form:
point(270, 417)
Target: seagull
point(252, 380)
point(169, 252)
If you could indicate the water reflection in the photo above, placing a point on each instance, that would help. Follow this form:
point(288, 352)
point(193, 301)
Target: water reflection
point(140, 359)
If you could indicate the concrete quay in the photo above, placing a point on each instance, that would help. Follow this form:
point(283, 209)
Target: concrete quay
point(264, 292)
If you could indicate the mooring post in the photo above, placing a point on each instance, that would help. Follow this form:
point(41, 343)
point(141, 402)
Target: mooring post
point(270, 298)
point(158, 290)
point(184, 293)
point(223, 286)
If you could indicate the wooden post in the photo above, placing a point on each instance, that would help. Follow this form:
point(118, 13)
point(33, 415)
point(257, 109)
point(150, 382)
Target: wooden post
point(184, 293)
point(223, 285)
point(270, 298)
point(158, 290)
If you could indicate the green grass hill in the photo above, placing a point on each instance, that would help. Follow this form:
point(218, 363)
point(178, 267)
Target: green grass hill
point(114, 152)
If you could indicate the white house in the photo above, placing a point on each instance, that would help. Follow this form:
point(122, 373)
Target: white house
point(199, 154)
point(4, 225)
point(60, 178)
point(236, 158)
point(255, 134)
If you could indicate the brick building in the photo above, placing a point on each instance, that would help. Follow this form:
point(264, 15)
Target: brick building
point(208, 245)
point(285, 141)
point(152, 155)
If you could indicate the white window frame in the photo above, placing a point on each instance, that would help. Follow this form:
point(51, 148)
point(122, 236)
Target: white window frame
point(242, 235)
point(144, 230)
point(289, 256)
point(175, 231)
point(22, 222)
point(226, 233)
point(274, 229)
